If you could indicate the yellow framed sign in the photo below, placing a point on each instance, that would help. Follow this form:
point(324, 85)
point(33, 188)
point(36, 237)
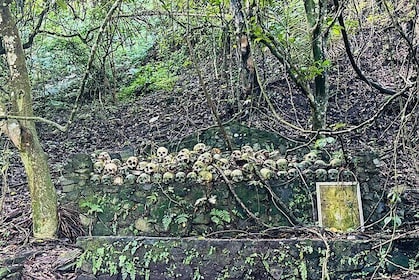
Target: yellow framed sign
point(339, 206)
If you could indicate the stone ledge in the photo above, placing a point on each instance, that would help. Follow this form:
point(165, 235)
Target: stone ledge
point(195, 258)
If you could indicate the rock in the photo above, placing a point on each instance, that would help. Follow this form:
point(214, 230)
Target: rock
point(63, 181)
point(69, 188)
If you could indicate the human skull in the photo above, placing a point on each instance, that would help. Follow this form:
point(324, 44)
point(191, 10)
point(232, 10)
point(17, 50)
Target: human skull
point(227, 173)
point(311, 156)
point(266, 173)
point(199, 148)
point(223, 163)
point(198, 166)
point(248, 167)
point(282, 174)
point(246, 157)
point(303, 165)
point(130, 179)
point(132, 162)
point(161, 153)
point(333, 174)
point(169, 159)
point(142, 165)
point(320, 164)
point(118, 180)
point(156, 178)
point(309, 175)
point(282, 164)
point(98, 167)
point(95, 178)
point(347, 176)
point(210, 168)
point(116, 161)
point(237, 175)
point(321, 175)
point(205, 176)
point(205, 158)
point(269, 163)
point(183, 156)
point(169, 163)
point(110, 169)
point(292, 173)
point(151, 168)
point(236, 155)
point(104, 157)
point(107, 179)
point(216, 157)
point(336, 162)
point(180, 177)
point(144, 178)
point(247, 149)
point(191, 176)
point(168, 177)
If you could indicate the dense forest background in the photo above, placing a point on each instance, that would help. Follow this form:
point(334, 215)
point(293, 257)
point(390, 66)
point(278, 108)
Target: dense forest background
point(105, 75)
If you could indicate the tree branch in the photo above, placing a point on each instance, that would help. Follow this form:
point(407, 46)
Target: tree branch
point(29, 43)
point(36, 119)
point(352, 59)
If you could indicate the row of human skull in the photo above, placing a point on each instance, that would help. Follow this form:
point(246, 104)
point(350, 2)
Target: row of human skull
point(238, 165)
point(235, 175)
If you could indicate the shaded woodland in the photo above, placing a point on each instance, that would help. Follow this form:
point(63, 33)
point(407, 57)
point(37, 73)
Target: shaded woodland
point(83, 77)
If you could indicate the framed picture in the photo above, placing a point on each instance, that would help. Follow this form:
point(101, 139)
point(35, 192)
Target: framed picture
point(339, 206)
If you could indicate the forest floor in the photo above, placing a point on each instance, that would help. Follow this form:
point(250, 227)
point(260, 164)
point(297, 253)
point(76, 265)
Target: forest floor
point(156, 118)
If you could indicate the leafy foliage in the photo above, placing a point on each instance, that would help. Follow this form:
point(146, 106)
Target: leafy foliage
point(151, 77)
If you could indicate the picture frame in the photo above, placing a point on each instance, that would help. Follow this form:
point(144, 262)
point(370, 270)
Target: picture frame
point(339, 206)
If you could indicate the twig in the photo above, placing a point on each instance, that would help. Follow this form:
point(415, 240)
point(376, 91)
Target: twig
point(207, 95)
point(237, 198)
point(282, 207)
point(325, 273)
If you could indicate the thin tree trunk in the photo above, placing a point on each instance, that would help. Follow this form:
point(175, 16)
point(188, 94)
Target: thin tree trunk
point(250, 85)
point(23, 132)
point(321, 95)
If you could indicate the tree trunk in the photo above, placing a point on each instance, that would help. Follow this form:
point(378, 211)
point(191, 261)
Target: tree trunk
point(250, 85)
point(23, 132)
point(321, 94)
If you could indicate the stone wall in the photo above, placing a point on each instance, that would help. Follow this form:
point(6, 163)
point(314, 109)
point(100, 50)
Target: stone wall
point(204, 190)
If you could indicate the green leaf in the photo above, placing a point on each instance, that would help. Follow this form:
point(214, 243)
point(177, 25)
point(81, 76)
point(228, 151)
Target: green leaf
point(122, 260)
point(62, 4)
point(182, 219)
point(167, 220)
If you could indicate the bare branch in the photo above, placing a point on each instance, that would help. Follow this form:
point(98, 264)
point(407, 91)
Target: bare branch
point(352, 59)
point(36, 119)
point(35, 32)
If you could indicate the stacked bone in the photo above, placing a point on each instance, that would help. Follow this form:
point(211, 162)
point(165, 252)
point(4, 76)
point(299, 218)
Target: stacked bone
point(204, 165)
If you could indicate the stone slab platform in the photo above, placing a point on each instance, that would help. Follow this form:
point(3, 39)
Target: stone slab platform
point(199, 258)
